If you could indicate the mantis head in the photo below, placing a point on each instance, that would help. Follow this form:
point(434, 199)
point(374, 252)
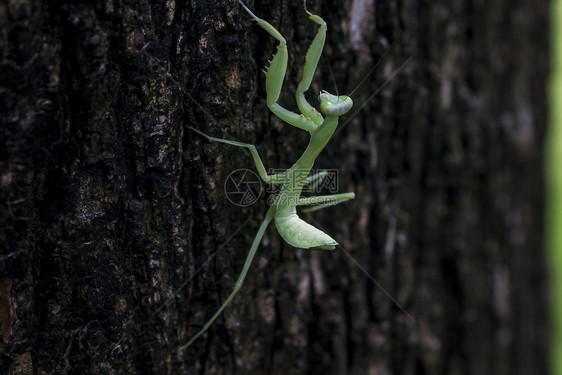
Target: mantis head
point(332, 105)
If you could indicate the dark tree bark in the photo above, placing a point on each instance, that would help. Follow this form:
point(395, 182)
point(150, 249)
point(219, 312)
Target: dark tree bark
point(111, 207)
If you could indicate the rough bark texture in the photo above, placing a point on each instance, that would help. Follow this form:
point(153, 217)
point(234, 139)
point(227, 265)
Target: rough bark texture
point(111, 205)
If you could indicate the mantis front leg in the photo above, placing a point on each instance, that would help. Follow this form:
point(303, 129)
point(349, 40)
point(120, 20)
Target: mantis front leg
point(310, 118)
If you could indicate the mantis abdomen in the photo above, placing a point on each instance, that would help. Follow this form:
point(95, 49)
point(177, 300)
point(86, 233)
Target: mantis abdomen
point(298, 233)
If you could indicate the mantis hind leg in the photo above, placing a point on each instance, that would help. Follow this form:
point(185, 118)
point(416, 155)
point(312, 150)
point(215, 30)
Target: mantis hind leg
point(321, 201)
point(324, 201)
point(255, 244)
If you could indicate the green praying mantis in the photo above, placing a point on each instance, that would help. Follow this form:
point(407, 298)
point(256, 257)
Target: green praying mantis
point(321, 125)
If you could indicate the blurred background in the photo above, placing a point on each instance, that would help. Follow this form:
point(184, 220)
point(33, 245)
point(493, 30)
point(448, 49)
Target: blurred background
point(554, 206)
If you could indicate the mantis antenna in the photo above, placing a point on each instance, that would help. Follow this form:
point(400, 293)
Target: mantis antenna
point(377, 64)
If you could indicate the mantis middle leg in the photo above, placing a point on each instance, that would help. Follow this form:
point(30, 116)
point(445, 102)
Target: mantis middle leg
point(270, 179)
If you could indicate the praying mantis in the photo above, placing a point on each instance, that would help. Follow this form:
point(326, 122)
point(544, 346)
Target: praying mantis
point(321, 125)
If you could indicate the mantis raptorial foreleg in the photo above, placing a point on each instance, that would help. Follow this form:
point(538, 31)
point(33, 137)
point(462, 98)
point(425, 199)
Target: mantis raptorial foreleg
point(321, 125)
point(310, 118)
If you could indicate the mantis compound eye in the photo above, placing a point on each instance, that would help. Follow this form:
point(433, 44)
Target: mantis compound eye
point(332, 105)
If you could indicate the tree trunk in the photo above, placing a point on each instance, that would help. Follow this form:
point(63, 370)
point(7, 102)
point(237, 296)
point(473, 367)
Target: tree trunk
point(120, 235)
